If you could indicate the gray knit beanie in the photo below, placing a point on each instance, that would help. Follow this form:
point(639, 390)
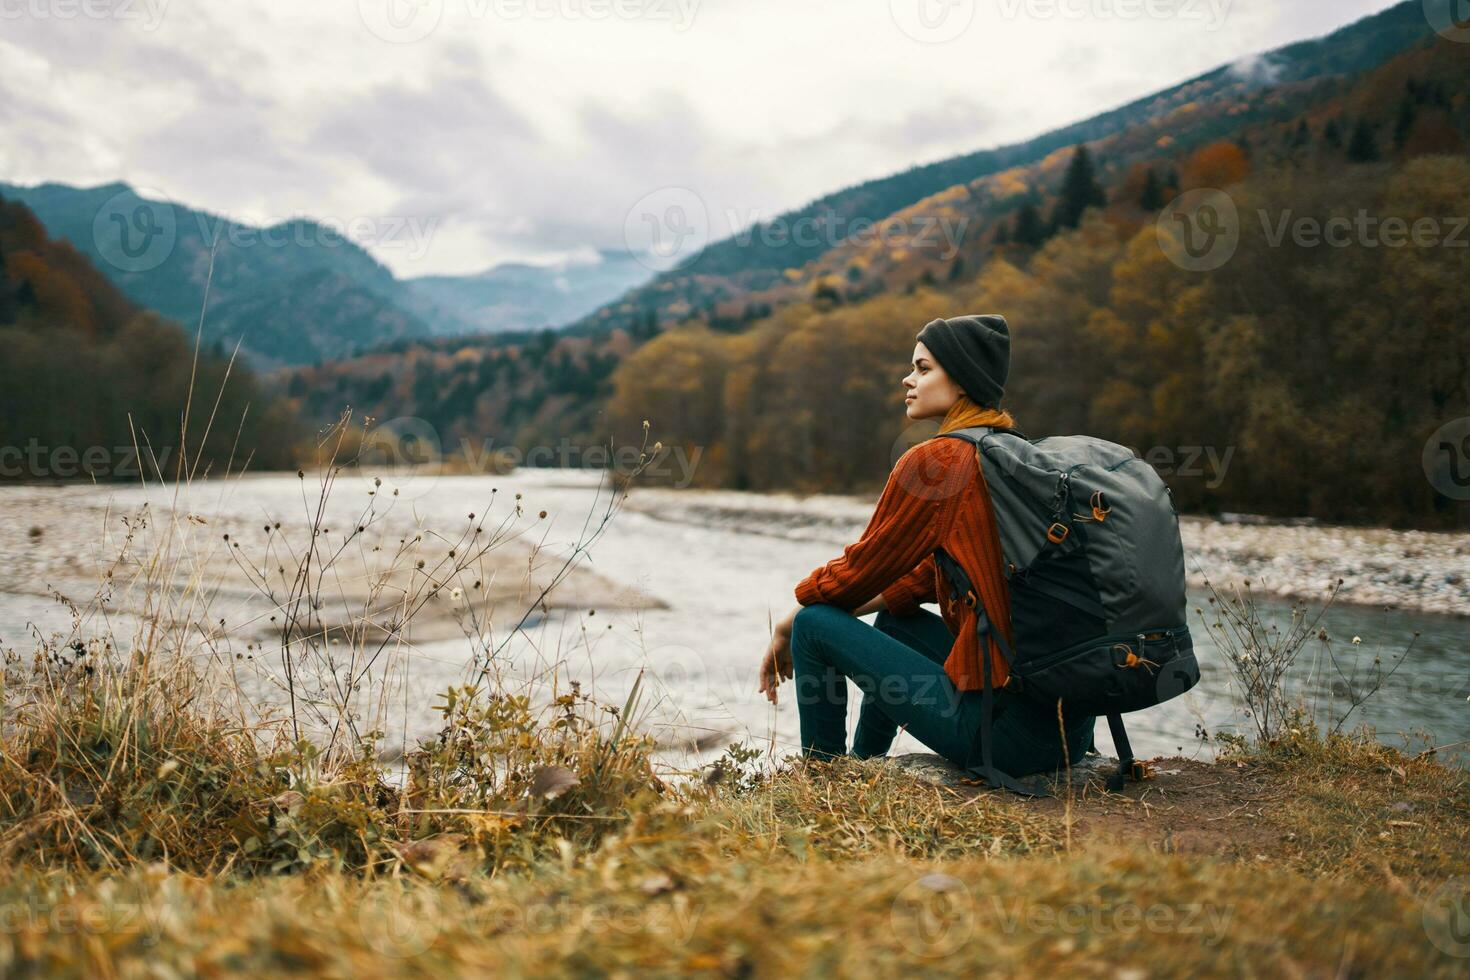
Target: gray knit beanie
point(975, 350)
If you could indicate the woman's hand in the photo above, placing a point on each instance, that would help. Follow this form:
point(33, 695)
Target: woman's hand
point(777, 664)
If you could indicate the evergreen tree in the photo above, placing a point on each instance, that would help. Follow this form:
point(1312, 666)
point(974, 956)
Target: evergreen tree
point(1362, 148)
point(1404, 124)
point(1333, 135)
point(1152, 197)
point(1029, 230)
point(1080, 191)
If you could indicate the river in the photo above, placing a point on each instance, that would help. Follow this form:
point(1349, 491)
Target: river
point(689, 580)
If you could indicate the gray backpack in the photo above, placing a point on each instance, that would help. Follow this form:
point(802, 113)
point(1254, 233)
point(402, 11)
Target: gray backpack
point(1095, 570)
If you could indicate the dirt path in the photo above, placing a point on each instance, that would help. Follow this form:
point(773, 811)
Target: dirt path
point(1188, 807)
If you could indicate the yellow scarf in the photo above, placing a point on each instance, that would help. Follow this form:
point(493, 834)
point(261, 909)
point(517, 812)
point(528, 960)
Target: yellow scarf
point(964, 413)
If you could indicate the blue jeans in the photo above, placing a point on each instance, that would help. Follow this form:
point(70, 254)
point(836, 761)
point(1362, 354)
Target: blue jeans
point(898, 664)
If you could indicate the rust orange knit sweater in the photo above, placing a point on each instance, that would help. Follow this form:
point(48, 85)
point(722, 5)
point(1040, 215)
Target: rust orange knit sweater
point(935, 496)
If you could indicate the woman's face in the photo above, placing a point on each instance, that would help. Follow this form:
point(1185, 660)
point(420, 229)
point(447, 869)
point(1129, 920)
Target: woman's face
point(929, 392)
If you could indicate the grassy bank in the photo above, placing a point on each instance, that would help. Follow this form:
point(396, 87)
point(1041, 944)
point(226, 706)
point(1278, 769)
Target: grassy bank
point(152, 824)
point(852, 866)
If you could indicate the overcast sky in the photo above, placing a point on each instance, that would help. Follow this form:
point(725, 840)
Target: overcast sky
point(449, 135)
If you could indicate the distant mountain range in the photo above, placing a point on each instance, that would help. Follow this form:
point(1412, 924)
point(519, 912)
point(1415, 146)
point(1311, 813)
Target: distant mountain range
point(746, 348)
point(519, 296)
point(299, 292)
point(753, 261)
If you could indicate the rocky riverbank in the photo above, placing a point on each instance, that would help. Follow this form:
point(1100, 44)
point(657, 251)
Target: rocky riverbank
point(1410, 570)
point(1413, 570)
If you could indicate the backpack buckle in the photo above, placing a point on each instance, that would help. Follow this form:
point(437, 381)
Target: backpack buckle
point(1057, 533)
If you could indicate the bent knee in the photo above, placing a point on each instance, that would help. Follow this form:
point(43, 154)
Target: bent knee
point(814, 616)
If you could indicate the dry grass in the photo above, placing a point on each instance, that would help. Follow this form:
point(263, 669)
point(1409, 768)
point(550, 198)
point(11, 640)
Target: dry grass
point(151, 826)
point(778, 880)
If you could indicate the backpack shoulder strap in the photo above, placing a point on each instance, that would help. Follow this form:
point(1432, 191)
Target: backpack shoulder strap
point(975, 433)
point(963, 590)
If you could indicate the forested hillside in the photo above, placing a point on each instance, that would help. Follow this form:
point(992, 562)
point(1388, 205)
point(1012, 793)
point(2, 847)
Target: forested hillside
point(92, 386)
point(1292, 350)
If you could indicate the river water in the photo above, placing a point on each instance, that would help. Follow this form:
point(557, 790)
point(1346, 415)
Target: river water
point(711, 569)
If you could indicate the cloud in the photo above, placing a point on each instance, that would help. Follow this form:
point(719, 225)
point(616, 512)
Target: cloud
point(1256, 70)
point(532, 138)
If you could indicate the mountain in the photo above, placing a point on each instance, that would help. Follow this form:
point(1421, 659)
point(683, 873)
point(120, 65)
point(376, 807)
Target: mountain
point(88, 379)
point(272, 289)
point(728, 271)
point(518, 296)
point(781, 371)
point(299, 292)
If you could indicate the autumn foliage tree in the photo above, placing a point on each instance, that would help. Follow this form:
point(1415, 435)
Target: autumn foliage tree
point(84, 369)
point(1316, 372)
